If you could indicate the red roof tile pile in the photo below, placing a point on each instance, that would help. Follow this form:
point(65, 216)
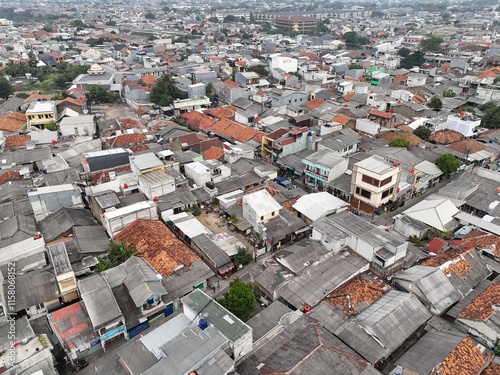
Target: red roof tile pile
point(465, 359)
point(468, 146)
point(482, 306)
point(125, 140)
point(103, 176)
point(359, 290)
point(131, 123)
point(158, 245)
point(198, 120)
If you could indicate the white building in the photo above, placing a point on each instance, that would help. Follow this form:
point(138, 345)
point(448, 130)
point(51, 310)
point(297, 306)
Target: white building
point(259, 207)
point(464, 123)
point(286, 63)
point(116, 220)
point(78, 125)
point(156, 183)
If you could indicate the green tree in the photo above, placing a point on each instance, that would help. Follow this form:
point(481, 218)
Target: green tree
point(51, 125)
point(403, 52)
point(98, 94)
point(242, 257)
point(377, 14)
point(214, 19)
point(449, 94)
point(260, 69)
point(423, 132)
point(432, 44)
point(164, 92)
point(240, 299)
point(355, 66)
point(487, 106)
point(446, 16)
point(399, 142)
point(448, 163)
point(110, 23)
point(491, 118)
point(435, 103)
point(117, 254)
point(353, 40)
point(5, 88)
point(229, 18)
point(79, 23)
point(149, 16)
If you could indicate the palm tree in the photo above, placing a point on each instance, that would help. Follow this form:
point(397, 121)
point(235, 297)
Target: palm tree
point(120, 252)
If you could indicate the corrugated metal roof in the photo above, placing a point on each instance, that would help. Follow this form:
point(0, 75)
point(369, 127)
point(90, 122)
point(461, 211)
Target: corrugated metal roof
point(164, 333)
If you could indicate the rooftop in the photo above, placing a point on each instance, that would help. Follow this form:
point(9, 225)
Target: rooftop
point(376, 164)
point(223, 320)
point(158, 245)
point(483, 305)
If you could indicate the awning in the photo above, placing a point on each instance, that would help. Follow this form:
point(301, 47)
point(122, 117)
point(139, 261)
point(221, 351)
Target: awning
point(228, 267)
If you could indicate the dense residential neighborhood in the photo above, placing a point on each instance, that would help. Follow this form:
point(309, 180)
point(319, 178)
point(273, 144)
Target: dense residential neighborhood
point(250, 188)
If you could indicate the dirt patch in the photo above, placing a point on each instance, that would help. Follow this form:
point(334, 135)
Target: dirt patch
point(117, 111)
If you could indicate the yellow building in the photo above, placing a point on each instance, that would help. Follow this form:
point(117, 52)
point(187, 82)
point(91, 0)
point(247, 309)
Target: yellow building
point(40, 113)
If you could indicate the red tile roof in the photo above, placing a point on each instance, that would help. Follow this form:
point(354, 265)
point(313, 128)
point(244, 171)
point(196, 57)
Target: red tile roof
point(158, 245)
point(127, 140)
point(35, 97)
point(341, 119)
point(72, 101)
point(492, 369)
point(445, 137)
point(465, 359)
point(376, 112)
point(436, 245)
point(12, 122)
point(213, 153)
point(148, 79)
point(348, 97)
point(231, 84)
point(258, 137)
point(9, 175)
point(190, 139)
point(232, 130)
point(315, 103)
point(131, 123)
point(220, 126)
point(221, 112)
point(483, 305)
point(492, 72)
point(246, 134)
point(278, 133)
point(468, 146)
point(359, 290)
point(198, 120)
point(442, 258)
point(103, 176)
point(410, 137)
point(17, 140)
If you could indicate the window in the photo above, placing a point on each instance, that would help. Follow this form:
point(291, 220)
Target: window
point(290, 101)
point(370, 180)
point(295, 100)
point(385, 181)
point(363, 193)
point(262, 218)
point(273, 213)
point(387, 192)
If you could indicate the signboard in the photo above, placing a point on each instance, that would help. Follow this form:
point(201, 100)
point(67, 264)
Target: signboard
point(114, 332)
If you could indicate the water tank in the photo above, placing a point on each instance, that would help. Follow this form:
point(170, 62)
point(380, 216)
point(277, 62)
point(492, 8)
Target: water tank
point(203, 323)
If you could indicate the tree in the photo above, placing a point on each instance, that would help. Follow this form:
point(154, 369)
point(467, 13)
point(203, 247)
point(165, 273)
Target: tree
point(51, 125)
point(448, 163)
point(449, 94)
point(423, 132)
point(353, 40)
point(377, 14)
point(446, 16)
point(229, 18)
point(5, 88)
point(149, 16)
point(399, 142)
point(491, 118)
point(214, 19)
point(403, 52)
point(435, 103)
point(487, 106)
point(260, 69)
point(117, 254)
point(110, 23)
point(355, 66)
point(432, 44)
point(79, 23)
point(242, 257)
point(98, 94)
point(240, 299)
point(164, 92)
